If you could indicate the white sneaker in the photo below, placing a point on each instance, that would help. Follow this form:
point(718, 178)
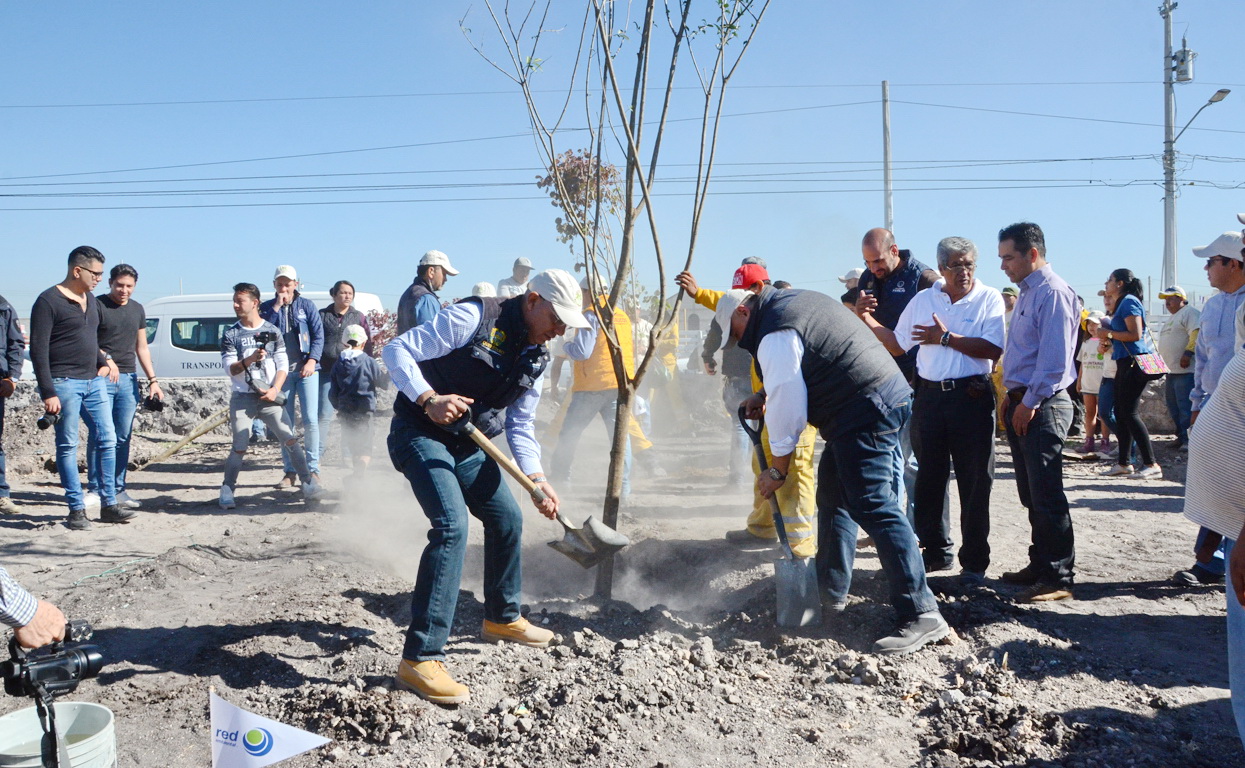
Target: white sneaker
point(312, 490)
point(91, 499)
point(125, 501)
point(226, 498)
point(1118, 471)
point(1153, 472)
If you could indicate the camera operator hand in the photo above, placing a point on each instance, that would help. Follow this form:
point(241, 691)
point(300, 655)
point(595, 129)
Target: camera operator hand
point(270, 395)
point(47, 626)
point(255, 358)
point(153, 389)
point(52, 404)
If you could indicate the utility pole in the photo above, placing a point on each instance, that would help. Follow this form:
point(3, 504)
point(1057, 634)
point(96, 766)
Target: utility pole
point(888, 189)
point(1169, 148)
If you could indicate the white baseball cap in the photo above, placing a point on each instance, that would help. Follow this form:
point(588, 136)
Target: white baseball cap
point(483, 290)
point(437, 259)
point(1173, 292)
point(354, 333)
point(560, 289)
point(852, 274)
point(1227, 245)
point(727, 305)
point(285, 270)
point(523, 261)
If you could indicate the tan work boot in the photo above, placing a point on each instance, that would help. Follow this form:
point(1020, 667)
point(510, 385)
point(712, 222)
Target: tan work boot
point(430, 680)
point(289, 482)
point(521, 632)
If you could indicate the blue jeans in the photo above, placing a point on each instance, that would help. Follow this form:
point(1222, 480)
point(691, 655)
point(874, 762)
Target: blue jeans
point(451, 476)
point(1038, 460)
point(1236, 652)
point(124, 394)
point(4, 483)
point(326, 409)
point(735, 391)
point(856, 487)
point(307, 391)
point(906, 472)
point(1177, 389)
point(585, 405)
point(85, 399)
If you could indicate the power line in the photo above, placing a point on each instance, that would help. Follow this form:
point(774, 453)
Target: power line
point(1057, 117)
point(507, 92)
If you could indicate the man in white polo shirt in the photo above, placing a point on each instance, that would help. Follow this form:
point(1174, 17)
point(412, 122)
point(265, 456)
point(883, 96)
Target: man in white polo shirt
point(958, 323)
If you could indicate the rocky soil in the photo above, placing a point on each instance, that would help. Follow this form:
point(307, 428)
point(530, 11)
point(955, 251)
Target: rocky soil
point(297, 612)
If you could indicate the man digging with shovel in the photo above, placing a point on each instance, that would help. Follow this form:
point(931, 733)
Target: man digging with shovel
point(819, 365)
point(479, 356)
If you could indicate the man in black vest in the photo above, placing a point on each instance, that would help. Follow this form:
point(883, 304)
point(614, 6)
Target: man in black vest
point(419, 303)
point(484, 355)
point(820, 365)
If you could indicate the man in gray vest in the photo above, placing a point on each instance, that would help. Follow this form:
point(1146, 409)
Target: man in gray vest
point(820, 365)
point(419, 302)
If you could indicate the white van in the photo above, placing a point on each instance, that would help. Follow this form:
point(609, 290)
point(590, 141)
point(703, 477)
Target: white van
point(184, 332)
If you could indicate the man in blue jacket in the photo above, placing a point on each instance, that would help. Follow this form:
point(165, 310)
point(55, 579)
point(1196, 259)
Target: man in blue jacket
point(419, 303)
point(298, 320)
point(10, 371)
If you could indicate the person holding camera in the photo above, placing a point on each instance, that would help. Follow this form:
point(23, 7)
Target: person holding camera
point(70, 369)
point(253, 352)
point(35, 622)
point(123, 337)
point(10, 369)
point(298, 321)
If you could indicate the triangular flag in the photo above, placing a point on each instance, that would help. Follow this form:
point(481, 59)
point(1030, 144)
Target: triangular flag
point(242, 739)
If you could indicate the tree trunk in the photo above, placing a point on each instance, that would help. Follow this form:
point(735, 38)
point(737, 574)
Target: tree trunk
point(614, 482)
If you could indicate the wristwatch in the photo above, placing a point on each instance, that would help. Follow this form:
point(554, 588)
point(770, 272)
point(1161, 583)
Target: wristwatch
point(946, 339)
point(1110, 336)
point(775, 475)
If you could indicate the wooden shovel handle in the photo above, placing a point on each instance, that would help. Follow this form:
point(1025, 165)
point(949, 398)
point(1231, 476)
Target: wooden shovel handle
point(505, 461)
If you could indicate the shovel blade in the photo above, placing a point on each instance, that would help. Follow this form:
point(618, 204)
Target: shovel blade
point(590, 544)
point(799, 600)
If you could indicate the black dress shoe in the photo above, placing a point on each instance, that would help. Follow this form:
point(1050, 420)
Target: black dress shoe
point(1025, 577)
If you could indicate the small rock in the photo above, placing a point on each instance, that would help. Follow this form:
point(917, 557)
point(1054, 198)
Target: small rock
point(951, 698)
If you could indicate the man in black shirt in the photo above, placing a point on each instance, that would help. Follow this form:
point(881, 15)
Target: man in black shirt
point(70, 369)
point(10, 369)
point(123, 336)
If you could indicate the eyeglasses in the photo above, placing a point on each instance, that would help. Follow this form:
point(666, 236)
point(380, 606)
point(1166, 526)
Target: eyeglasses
point(98, 275)
point(1213, 260)
point(962, 269)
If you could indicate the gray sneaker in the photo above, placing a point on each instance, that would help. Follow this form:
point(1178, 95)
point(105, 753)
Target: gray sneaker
point(7, 507)
point(913, 635)
point(77, 520)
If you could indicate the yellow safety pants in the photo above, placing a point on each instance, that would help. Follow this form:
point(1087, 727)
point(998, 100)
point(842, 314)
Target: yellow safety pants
point(796, 498)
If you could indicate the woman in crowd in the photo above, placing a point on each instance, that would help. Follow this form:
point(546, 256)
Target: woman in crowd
point(1127, 334)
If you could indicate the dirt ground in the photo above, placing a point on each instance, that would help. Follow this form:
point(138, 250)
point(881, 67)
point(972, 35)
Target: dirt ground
point(297, 612)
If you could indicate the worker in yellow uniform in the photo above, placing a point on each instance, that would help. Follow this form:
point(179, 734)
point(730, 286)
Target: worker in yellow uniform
point(796, 497)
point(594, 390)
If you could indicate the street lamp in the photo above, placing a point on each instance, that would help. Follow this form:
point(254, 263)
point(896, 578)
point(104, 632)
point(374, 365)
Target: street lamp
point(1169, 189)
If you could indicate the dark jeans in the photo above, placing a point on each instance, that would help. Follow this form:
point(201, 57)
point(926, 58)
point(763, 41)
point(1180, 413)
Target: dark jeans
point(1038, 458)
point(1177, 390)
point(856, 486)
point(957, 425)
point(1130, 382)
point(4, 483)
point(451, 476)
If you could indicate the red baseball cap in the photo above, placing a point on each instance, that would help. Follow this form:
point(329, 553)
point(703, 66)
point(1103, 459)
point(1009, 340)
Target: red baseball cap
point(749, 274)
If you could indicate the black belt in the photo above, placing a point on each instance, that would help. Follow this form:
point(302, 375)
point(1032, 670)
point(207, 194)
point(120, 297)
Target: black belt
point(946, 385)
point(1018, 394)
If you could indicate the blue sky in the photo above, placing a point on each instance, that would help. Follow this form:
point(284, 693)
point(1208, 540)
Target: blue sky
point(798, 182)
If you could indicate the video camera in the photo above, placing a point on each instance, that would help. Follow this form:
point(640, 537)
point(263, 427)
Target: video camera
point(264, 338)
point(47, 420)
point(56, 669)
point(153, 403)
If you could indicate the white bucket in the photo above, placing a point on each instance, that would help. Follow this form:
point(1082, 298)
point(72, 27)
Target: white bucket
point(86, 729)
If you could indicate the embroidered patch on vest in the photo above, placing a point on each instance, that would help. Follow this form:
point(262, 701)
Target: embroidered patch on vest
point(495, 341)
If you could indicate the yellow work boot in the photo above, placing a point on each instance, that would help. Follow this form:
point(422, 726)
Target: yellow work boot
point(429, 680)
point(521, 632)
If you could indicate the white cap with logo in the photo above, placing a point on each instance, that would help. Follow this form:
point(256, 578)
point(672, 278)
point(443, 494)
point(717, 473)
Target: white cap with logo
point(1173, 292)
point(437, 259)
point(354, 333)
point(727, 305)
point(285, 270)
point(560, 289)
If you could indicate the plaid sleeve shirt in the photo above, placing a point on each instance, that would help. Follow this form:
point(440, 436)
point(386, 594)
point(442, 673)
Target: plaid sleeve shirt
point(17, 606)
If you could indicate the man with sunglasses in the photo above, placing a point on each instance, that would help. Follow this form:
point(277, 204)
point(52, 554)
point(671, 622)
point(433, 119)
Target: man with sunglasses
point(1216, 344)
point(70, 369)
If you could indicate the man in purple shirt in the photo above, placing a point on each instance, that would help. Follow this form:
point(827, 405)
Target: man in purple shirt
point(1038, 367)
